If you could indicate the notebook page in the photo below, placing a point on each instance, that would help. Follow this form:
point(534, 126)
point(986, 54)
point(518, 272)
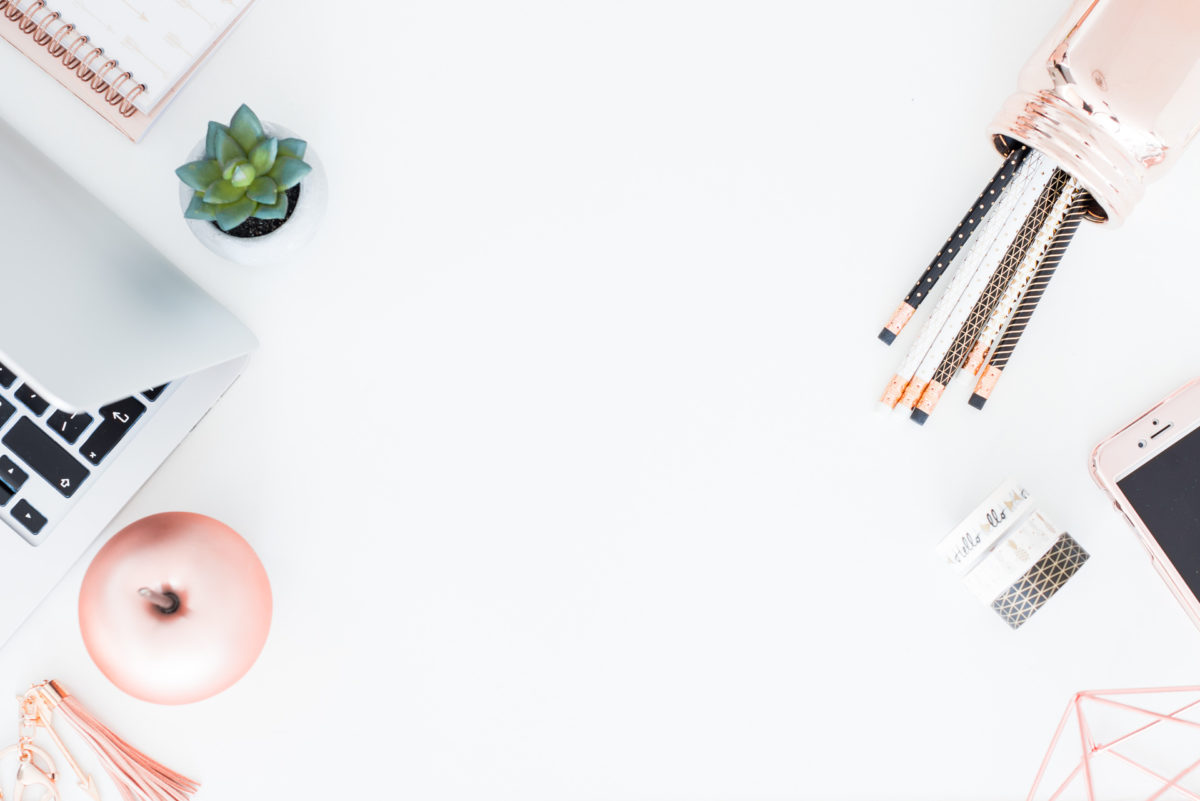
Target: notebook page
point(157, 41)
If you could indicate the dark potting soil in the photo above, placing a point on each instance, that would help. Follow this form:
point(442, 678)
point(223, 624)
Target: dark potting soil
point(255, 227)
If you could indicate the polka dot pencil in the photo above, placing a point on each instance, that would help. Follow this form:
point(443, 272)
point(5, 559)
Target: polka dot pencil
point(954, 244)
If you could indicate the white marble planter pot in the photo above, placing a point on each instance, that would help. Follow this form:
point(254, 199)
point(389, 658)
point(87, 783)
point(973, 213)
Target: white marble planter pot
point(283, 242)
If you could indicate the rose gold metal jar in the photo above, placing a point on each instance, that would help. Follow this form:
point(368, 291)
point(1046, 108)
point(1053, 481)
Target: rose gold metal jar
point(1112, 95)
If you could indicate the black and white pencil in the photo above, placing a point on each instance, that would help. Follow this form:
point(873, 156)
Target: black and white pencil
point(954, 244)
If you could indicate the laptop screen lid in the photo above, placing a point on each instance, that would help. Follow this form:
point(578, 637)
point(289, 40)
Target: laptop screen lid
point(88, 309)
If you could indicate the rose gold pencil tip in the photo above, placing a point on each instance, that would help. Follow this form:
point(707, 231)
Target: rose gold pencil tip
point(987, 382)
point(930, 397)
point(891, 395)
point(928, 402)
point(912, 393)
point(900, 319)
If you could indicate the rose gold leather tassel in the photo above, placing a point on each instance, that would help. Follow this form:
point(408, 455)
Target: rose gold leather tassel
point(137, 776)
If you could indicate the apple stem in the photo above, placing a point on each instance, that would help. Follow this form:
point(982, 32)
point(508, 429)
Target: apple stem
point(167, 602)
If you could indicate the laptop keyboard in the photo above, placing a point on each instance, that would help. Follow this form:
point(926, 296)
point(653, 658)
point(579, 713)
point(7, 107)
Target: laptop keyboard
point(48, 456)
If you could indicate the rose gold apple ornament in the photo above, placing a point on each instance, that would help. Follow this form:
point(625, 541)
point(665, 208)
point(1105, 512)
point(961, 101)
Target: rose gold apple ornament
point(1106, 105)
point(174, 608)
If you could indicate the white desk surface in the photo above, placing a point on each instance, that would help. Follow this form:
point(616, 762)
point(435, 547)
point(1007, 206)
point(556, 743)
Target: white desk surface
point(561, 447)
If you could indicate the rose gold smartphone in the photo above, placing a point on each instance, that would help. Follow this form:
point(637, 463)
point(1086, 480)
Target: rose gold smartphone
point(1151, 468)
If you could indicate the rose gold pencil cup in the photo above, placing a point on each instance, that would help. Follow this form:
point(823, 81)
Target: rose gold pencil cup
point(1112, 95)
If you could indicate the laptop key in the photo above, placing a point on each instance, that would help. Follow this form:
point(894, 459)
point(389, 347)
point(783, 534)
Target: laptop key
point(10, 475)
point(69, 426)
point(115, 421)
point(51, 461)
point(152, 394)
point(36, 403)
point(7, 377)
point(6, 411)
point(27, 516)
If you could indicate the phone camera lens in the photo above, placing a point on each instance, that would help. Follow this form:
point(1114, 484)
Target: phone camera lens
point(1153, 422)
point(1141, 443)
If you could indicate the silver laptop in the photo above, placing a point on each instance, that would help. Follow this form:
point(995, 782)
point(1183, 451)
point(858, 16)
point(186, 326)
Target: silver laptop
point(110, 357)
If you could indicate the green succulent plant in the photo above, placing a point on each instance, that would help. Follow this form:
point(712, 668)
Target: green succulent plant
point(244, 173)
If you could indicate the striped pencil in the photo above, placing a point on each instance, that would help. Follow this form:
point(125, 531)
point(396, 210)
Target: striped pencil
point(1020, 282)
point(983, 308)
point(982, 260)
point(1080, 202)
point(954, 244)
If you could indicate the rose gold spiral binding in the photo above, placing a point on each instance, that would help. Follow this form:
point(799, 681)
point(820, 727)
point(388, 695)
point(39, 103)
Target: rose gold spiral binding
point(112, 89)
point(84, 70)
point(40, 36)
point(100, 82)
point(56, 47)
point(128, 109)
point(70, 54)
point(114, 95)
point(71, 58)
point(26, 24)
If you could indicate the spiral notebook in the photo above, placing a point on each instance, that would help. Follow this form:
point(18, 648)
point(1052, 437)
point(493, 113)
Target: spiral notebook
point(125, 58)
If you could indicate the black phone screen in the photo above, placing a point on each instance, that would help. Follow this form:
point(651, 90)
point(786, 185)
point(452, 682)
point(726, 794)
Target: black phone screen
point(1165, 492)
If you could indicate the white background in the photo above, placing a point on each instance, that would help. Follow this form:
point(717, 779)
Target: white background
point(561, 447)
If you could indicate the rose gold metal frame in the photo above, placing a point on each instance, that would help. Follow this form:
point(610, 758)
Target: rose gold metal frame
point(1142, 716)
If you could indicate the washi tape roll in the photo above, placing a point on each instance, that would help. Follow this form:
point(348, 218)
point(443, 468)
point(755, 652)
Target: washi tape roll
point(1009, 555)
point(1029, 593)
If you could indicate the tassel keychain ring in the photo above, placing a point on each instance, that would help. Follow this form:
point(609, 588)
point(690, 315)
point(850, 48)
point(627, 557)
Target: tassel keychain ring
point(137, 776)
point(36, 715)
point(31, 774)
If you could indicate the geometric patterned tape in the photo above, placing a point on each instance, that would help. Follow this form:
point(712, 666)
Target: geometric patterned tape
point(1027, 595)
